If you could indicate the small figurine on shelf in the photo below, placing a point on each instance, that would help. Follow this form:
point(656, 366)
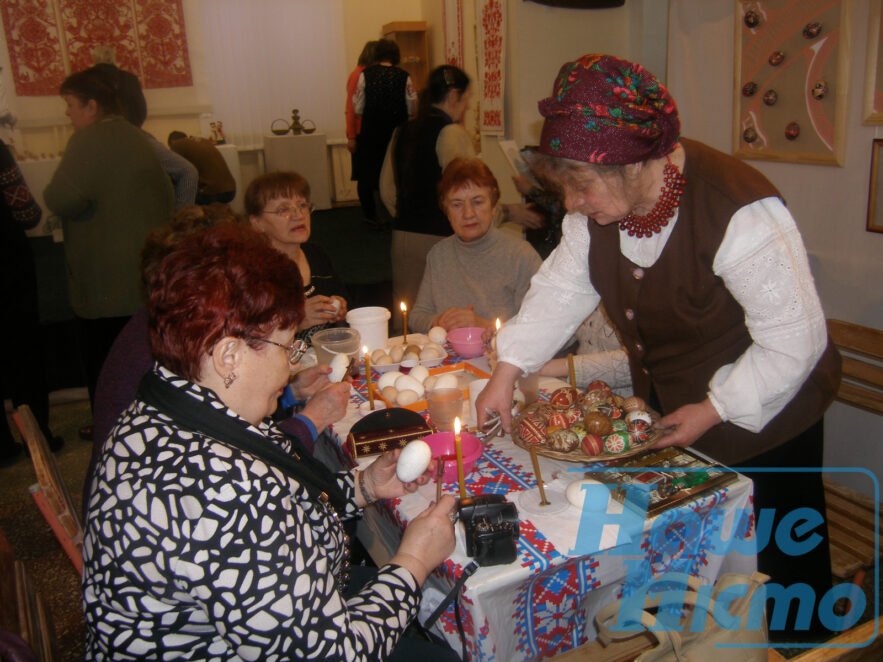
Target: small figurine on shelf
point(296, 127)
point(214, 132)
point(221, 138)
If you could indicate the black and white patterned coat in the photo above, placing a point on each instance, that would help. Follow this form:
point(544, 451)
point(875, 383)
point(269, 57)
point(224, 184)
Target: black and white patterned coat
point(197, 550)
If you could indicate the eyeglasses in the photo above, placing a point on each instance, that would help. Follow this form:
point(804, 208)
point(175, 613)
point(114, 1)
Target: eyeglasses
point(300, 209)
point(295, 350)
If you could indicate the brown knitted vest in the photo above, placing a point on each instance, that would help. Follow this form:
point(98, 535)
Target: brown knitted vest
point(677, 320)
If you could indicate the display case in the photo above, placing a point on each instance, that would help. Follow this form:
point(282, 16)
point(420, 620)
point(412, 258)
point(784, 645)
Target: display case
point(414, 47)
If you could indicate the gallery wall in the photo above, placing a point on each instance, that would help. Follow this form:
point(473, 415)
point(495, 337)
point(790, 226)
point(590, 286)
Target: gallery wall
point(828, 202)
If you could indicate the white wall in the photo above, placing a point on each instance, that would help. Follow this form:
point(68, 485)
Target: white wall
point(828, 202)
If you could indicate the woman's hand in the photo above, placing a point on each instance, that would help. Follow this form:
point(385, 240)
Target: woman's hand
point(341, 310)
point(497, 395)
point(456, 318)
point(310, 381)
point(320, 310)
point(382, 483)
point(428, 539)
point(328, 405)
point(525, 216)
point(686, 424)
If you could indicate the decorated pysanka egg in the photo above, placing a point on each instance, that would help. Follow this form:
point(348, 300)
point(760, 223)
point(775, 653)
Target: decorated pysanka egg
point(564, 398)
point(598, 385)
point(563, 441)
point(617, 442)
point(558, 419)
point(573, 415)
point(597, 423)
point(610, 410)
point(592, 398)
point(592, 444)
point(532, 430)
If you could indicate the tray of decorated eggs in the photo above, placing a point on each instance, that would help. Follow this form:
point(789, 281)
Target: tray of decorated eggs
point(419, 349)
point(586, 427)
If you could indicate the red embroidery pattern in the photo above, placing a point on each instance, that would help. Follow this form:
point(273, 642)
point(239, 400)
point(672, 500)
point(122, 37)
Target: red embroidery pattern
point(32, 38)
point(492, 43)
point(492, 118)
point(148, 38)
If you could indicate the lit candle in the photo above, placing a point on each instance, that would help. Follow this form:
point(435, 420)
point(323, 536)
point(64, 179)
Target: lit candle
point(494, 339)
point(571, 371)
point(368, 377)
point(458, 448)
point(404, 322)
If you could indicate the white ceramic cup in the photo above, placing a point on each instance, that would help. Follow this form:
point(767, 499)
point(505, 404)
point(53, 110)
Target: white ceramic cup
point(476, 386)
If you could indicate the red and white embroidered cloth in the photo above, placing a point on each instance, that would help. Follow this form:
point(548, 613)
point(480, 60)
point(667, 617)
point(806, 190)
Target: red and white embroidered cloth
point(48, 39)
point(490, 18)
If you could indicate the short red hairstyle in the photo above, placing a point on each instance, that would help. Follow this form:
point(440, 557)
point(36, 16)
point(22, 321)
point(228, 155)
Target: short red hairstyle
point(227, 281)
point(461, 172)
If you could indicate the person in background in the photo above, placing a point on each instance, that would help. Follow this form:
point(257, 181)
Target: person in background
point(130, 357)
point(481, 273)
point(216, 182)
point(210, 534)
point(384, 98)
point(353, 121)
point(278, 204)
point(24, 375)
point(110, 192)
point(134, 108)
point(417, 155)
point(703, 272)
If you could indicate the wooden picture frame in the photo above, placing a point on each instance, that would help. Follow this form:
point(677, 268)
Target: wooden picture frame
point(875, 189)
point(873, 109)
point(784, 91)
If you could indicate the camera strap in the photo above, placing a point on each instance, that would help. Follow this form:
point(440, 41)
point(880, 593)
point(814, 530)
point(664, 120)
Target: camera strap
point(454, 596)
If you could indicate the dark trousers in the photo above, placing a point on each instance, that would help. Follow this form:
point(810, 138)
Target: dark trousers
point(786, 492)
point(208, 198)
point(94, 337)
point(23, 378)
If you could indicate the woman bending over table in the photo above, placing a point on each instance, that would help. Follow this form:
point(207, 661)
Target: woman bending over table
point(703, 272)
point(211, 534)
point(278, 204)
point(480, 273)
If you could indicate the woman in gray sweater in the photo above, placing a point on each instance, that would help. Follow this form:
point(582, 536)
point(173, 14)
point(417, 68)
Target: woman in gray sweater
point(480, 273)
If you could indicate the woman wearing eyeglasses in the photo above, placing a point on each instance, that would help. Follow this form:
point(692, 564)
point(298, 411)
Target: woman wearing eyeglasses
point(278, 204)
point(212, 535)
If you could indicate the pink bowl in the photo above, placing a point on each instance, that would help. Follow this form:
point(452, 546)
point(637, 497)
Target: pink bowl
point(442, 444)
point(467, 341)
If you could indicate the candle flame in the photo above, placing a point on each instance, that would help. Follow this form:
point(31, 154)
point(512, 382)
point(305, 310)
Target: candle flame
point(498, 324)
point(364, 349)
point(403, 306)
point(457, 425)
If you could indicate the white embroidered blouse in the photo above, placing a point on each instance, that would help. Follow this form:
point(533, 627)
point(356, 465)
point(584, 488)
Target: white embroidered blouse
point(763, 263)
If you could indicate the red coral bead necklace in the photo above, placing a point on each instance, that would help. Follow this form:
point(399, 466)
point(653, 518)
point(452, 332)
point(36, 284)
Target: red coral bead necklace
point(666, 204)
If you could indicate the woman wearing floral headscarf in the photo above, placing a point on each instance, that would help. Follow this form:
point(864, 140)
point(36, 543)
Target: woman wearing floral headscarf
point(702, 270)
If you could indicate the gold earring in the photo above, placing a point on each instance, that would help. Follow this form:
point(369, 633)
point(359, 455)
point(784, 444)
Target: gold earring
point(229, 379)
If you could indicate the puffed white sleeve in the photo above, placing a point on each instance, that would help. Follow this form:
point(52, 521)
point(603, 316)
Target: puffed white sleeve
point(560, 297)
point(763, 263)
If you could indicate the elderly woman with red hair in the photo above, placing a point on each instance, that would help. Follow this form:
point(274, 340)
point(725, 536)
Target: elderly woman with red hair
point(702, 270)
point(481, 272)
point(212, 535)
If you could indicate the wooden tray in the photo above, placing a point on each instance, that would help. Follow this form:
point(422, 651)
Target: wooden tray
point(578, 455)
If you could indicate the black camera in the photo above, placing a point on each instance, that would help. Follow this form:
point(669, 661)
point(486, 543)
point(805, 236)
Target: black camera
point(491, 525)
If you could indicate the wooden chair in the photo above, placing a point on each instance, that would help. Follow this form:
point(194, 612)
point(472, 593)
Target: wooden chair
point(22, 610)
point(50, 492)
point(862, 351)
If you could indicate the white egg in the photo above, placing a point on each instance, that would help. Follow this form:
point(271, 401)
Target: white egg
point(407, 397)
point(390, 394)
point(396, 353)
point(388, 379)
point(339, 365)
point(438, 335)
point(430, 354)
point(429, 382)
point(420, 373)
point(383, 360)
point(447, 381)
point(577, 496)
point(413, 461)
point(406, 382)
point(378, 355)
point(435, 346)
point(336, 304)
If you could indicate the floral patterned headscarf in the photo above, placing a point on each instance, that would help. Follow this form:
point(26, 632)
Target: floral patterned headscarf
point(608, 111)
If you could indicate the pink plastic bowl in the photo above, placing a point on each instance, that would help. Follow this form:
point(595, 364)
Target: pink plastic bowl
point(467, 341)
point(442, 443)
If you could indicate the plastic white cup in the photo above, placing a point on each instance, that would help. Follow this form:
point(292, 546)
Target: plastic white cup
point(476, 386)
point(372, 323)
